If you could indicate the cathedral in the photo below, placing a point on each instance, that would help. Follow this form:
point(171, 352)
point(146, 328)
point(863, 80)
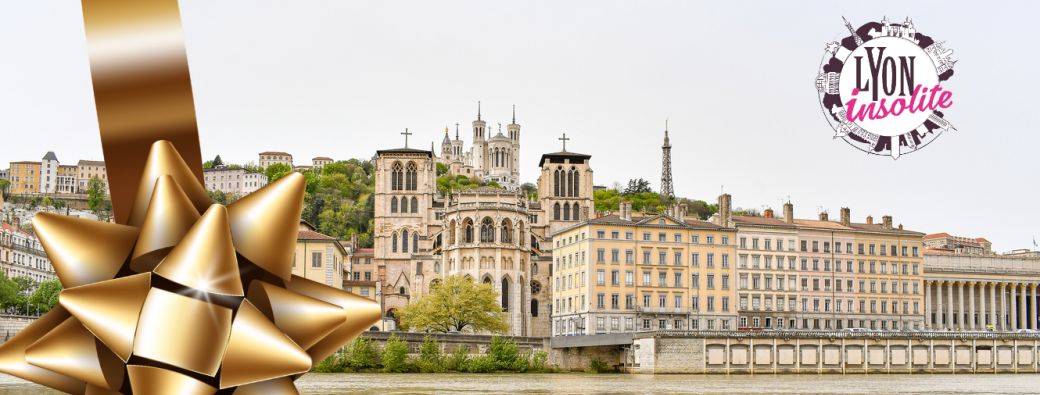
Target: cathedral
point(490, 235)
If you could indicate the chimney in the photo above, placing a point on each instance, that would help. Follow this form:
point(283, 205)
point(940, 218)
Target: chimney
point(17, 224)
point(886, 222)
point(789, 213)
point(900, 226)
point(724, 209)
point(626, 211)
point(823, 216)
point(682, 212)
point(846, 218)
point(768, 213)
point(870, 220)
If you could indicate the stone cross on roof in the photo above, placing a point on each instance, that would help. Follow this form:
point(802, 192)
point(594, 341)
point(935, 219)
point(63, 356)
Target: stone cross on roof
point(564, 139)
point(406, 134)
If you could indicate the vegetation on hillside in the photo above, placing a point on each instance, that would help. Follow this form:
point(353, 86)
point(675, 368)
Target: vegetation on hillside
point(646, 200)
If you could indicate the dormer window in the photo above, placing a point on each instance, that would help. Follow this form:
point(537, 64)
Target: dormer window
point(661, 222)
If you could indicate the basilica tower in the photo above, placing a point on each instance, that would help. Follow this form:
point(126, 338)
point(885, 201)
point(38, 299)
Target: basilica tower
point(514, 135)
point(479, 145)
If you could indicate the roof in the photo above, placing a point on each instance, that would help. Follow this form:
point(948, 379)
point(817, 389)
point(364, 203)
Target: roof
point(91, 162)
point(982, 240)
point(274, 153)
point(312, 235)
point(28, 161)
point(559, 157)
point(821, 224)
point(231, 169)
point(881, 229)
point(937, 235)
point(404, 151)
point(50, 156)
point(494, 190)
point(647, 221)
point(322, 158)
point(696, 223)
point(759, 221)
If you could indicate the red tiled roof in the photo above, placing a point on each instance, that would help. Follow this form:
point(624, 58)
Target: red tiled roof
point(982, 240)
point(360, 283)
point(322, 158)
point(821, 224)
point(937, 235)
point(311, 235)
point(90, 162)
point(740, 219)
point(274, 153)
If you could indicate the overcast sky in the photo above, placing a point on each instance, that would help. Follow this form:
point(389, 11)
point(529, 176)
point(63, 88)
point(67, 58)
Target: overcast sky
point(342, 79)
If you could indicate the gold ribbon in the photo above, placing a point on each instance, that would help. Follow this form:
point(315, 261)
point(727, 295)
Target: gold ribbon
point(180, 296)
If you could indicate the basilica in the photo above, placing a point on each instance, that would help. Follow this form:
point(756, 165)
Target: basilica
point(491, 235)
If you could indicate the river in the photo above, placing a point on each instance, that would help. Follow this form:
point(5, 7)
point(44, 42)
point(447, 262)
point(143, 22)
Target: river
point(580, 383)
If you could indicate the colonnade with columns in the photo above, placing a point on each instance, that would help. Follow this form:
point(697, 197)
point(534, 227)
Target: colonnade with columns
point(974, 305)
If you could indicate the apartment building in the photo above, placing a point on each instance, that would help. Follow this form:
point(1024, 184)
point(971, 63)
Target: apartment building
point(625, 272)
point(89, 169)
point(25, 177)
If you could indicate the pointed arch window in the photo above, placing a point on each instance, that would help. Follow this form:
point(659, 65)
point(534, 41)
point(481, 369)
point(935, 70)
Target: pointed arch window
point(404, 240)
point(534, 307)
point(570, 183)
point(415, 205)
point(556, 212)
point(505, 294)
point(397, 177)
point(393, 204)
point(487, 231)
point(577, 212)
point(506, 233)
point(556, 184)
point(577, 182)
point(567, 212)
point(415, 242)
point(412, 177)
point(469, 232)
point(393, 242)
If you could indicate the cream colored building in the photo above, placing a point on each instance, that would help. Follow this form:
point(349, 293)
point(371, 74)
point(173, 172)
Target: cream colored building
point(233, 179)
point(25, 177)
point(22, 255)
point(268, 158)
point(625, 273)
point(320, 162)
point(89, 169)
point(318, 257)
point(976, 292)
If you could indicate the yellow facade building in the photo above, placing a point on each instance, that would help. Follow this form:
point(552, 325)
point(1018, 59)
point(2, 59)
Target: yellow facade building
point(25, 177)
point(625, 273)
point(318, 257)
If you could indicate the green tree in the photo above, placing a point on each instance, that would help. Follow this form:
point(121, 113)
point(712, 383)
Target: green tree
point(4, 185)
point(207, 165)
point(45, 297)
point(276, 171)
point(456, 304)
point(46, 202)
point(441, 169)
point(96, 199)
point(9, 290)
point(395, 355)
point(528, 188)
point(637, 186)
point(431, 360)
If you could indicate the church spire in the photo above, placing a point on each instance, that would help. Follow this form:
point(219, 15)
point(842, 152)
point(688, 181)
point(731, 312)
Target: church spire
point(478, 110)
point(514, 114)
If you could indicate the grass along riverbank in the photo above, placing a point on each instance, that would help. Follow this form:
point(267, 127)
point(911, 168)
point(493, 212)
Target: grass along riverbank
point(503, 355)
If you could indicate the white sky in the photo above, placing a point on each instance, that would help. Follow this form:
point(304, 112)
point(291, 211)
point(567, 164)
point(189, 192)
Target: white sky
point(342, 79)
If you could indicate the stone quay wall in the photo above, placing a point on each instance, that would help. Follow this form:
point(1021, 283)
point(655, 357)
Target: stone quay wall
point(10, 325)
point(660, 352)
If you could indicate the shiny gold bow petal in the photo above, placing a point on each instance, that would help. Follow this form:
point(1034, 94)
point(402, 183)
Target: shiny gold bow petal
point(71, 349)
point(169, 217)
point(278, 386)
point(205, 257)
point(83, 251)
point(110, 309)
point(163, 159)
point(183, 332)
point(361, 314)
point(156, 381)
point(304, 319)
point(12, 355)
point(247, 362)
point(264, 224)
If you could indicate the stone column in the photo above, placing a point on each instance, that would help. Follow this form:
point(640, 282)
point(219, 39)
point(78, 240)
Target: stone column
point(949, 305)
point(1032, 312)
point(960, 306)
point(983, 316)
point(1023, 315)
point(938, 305)
point(1003, 307)
point(971, 306)
point(994, 308)
point(927, 304)
point(1013, 304)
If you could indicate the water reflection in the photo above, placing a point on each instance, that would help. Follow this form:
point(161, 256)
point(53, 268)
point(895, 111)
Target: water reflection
point(579, 383)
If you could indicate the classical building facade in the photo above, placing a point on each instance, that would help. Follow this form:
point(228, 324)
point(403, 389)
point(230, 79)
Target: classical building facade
point(268, 158)
point(22, 255)
point(25, 177)
point(233, 179)
point(972, 292)
point(89, 169)
point(491, 158)
point(945, 243)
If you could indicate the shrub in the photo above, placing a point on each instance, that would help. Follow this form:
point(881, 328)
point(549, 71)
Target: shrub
point(360, 354)
point(504, 352)
point(430, 357)
point(522, 363)
point(395, 355)
point(538, 361)
point(332, 364)
point(482, 364)
point(458, 360)
point(598, 366)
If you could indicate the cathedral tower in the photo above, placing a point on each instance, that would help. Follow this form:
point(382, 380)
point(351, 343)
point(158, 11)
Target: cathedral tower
point(514, 136)
point(479, 145)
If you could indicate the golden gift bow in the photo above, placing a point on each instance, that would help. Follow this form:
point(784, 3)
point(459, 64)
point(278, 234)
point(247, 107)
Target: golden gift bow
point(182, 296)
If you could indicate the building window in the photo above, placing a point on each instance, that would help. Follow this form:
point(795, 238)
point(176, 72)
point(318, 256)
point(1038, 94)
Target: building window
point(316, 259)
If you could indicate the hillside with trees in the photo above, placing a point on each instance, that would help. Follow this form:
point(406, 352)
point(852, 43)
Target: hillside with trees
point(644, 199)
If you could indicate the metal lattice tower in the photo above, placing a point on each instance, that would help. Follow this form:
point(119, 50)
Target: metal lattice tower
point(666, 165)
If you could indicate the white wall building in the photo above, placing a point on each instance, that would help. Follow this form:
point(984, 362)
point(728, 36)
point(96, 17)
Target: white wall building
point(233, 179)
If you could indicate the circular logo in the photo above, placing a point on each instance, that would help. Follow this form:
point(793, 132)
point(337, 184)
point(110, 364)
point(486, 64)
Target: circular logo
point(884, 95)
